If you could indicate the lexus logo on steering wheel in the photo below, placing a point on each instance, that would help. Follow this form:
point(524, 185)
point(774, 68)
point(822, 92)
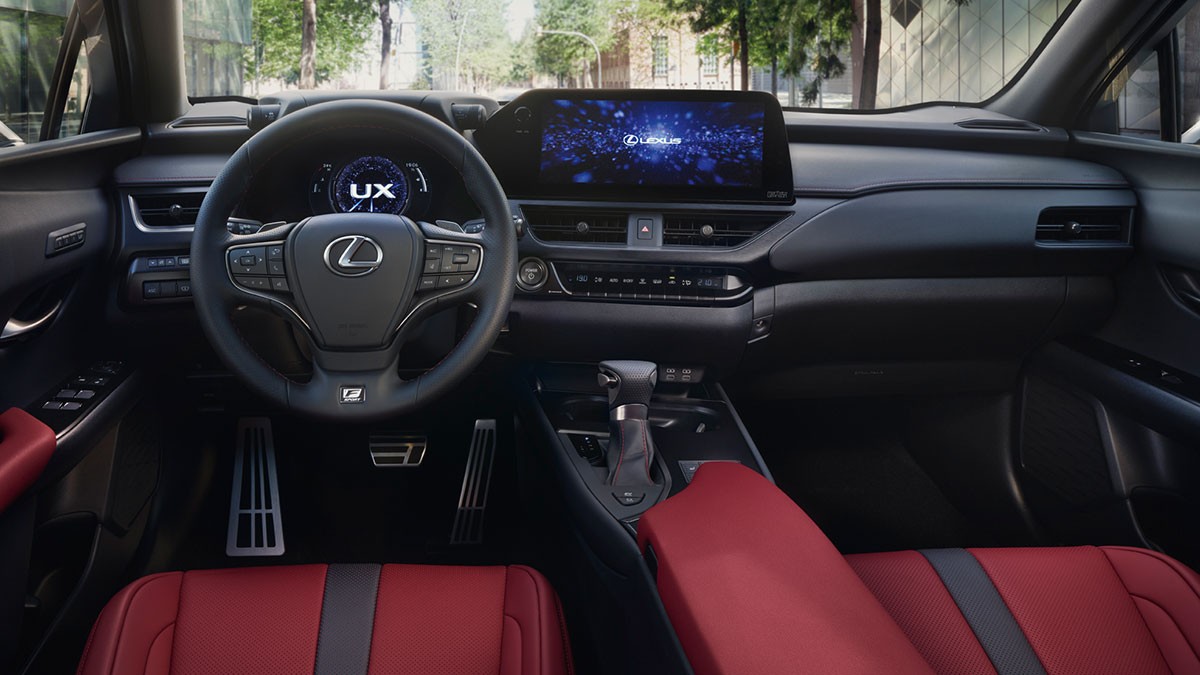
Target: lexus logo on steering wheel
point(353, 255)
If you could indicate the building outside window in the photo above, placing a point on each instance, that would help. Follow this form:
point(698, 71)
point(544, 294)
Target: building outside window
point(659, 64)
point(708, 65)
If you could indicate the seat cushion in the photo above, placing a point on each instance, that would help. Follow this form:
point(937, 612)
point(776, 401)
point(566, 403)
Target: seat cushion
point(1076, 610)
point(333, 619)
point(751, 585)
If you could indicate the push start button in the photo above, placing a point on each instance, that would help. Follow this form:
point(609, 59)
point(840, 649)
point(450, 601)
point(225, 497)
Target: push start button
point(532, 274)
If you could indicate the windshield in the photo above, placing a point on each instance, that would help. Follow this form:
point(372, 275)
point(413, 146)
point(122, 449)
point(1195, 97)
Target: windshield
point(856, 54)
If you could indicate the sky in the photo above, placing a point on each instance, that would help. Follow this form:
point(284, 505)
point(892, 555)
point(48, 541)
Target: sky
point(519, 13)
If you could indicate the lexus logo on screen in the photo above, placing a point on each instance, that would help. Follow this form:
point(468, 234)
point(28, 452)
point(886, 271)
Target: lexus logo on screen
point(633, 139)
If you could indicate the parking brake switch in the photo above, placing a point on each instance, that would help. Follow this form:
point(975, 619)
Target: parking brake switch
point(631, 449)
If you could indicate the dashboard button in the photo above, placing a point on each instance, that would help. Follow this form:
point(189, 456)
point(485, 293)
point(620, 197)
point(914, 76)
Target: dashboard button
point(151, 290)
point(532, 274)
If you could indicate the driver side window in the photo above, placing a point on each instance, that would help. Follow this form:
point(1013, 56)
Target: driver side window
point(36, 101)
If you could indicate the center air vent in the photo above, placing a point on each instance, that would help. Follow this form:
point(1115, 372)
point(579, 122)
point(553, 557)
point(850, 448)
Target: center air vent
point(174, 209)
point(578, 225)
point(721, 230)
point(1084, 226)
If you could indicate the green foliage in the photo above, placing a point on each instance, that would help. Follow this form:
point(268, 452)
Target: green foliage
point(486, 54)
point(343, 29)
point(560, 55)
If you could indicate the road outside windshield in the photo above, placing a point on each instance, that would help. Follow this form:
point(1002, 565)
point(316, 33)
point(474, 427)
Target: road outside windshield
point(856, 54)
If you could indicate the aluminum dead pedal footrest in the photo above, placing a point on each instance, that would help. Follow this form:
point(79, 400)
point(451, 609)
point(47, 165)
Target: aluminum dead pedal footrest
point(472, 500)
point(397, 451)
point(255, 520)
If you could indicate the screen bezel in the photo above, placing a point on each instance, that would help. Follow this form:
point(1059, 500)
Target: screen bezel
point(512, 143)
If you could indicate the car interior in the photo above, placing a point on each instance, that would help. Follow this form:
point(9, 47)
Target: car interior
point(603, 379)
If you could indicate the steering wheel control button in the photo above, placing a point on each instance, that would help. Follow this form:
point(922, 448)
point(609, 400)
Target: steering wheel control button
point(279, 284)
point(275, 252)
point(532, 274)
point(428, 283)
point(453, 280)
point(254, 283)
point(248, 260)
point(629, 497)
point(433, 265)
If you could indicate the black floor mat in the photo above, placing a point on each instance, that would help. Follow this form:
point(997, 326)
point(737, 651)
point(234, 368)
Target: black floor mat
point(845, 464)
point(337, 506)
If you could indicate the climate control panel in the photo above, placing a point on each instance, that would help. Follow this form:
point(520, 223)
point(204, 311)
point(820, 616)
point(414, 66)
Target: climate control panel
point(667, 284)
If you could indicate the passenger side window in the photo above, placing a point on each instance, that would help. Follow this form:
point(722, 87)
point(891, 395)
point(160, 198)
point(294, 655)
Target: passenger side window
point(1158, 96)
point(36, 101)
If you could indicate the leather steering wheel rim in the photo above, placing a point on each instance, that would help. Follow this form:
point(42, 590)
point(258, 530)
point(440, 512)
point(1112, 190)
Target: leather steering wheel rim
point(215, 294)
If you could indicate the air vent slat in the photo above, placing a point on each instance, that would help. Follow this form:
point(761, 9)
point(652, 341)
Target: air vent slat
point(1083, 226)
point(582, 226)
point(171, 209)
point(723, 230)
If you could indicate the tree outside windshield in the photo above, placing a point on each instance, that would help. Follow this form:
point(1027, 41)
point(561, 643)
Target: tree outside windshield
point(860, 54)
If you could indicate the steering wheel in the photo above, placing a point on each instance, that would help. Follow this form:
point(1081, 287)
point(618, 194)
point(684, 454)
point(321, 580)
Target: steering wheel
point(355, 283)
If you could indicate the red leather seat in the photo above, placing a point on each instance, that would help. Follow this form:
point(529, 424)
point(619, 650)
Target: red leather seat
point(751, 585)
point(333, 619)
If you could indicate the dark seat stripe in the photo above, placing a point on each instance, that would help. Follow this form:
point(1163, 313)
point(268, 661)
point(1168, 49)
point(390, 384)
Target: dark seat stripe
point(347, 620)
point(987, 615)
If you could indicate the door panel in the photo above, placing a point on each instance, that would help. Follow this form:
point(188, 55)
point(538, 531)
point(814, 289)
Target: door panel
point(1126, 468)
point(45, 189)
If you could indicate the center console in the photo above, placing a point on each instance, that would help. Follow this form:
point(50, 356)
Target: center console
point(689, 422)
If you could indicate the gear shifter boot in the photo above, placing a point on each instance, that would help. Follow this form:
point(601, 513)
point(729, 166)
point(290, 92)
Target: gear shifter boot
point(630, 447)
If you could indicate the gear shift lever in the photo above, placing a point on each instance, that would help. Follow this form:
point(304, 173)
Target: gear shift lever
point(630, 449)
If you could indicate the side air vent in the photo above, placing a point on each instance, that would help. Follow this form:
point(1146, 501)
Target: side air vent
point(718, 230)
point(578, 225)
point(175, 209)
point(1084, 226)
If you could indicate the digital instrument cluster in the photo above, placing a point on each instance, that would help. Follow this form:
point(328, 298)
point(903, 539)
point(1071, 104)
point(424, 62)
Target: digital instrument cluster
point(370, 184)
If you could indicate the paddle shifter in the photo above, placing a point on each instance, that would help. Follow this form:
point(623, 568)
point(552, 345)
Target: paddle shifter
point(630, 449)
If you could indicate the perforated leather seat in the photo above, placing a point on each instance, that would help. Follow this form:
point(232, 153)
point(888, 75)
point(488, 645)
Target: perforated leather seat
point(753, 586)
point(328, 619)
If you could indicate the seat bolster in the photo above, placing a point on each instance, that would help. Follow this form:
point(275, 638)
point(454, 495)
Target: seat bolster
point(134, 632)
point(535, 638)
point(1167, 595)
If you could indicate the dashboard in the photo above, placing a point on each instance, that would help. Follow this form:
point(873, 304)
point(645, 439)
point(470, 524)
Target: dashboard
point(710, 229)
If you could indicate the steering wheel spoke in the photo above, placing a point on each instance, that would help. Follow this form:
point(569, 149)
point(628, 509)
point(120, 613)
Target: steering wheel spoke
point(359, 383)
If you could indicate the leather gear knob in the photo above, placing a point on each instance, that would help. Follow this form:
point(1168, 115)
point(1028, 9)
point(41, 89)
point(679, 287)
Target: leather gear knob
point(630, 446)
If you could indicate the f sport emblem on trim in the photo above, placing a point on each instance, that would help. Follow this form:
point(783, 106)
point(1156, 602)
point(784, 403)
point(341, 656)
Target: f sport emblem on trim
point(352, 393)
point(353, 255)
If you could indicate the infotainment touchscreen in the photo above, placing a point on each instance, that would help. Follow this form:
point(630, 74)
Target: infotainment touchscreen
point(641, 145)
point(653, 143)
